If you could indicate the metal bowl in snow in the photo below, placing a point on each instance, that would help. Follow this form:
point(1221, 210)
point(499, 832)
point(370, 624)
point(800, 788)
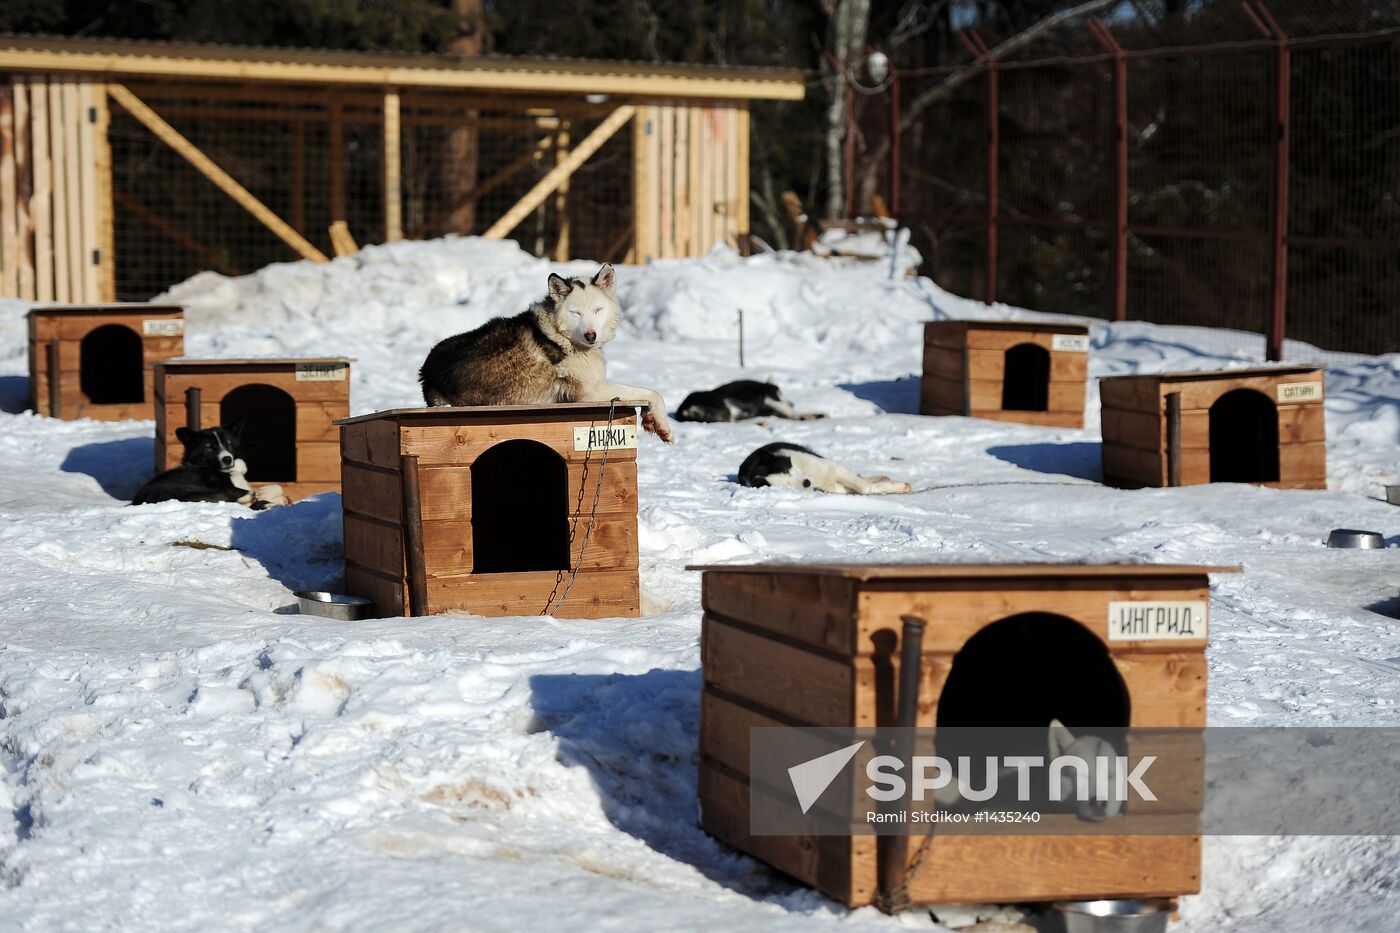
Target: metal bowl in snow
point(333, 605)
point(1351, 537)
point(1392, 495)
point(1136, 915)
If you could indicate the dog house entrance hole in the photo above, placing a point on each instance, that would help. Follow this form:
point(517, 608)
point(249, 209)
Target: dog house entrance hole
point(268, 441)
point(1025, 380)
point(110, 366)
point(1244, 438)
point(520, 509)
point(1014, 676)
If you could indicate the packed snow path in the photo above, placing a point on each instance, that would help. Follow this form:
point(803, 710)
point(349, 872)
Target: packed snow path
point(179, 751)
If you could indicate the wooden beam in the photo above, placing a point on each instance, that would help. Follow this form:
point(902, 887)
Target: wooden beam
point(41, 202)
point(106, 220)
point(59, 158)
point(560, 173)
point(24, 189)
point(90, 217)
point(296, 210)
point(561, 197)
point(341, 241)
point(172, 233)
point(207, 167)
point(392, 164)
point(73, 185)
point(335, 158)
point(450, 218)
point(120, 58)
point(9, 219)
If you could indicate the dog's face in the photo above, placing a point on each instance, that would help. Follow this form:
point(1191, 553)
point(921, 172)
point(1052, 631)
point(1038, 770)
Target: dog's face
point(213, 449)
point(586, 312)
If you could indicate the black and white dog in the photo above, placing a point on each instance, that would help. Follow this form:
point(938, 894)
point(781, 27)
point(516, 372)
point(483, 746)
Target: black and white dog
point(797, 467)
point(736, 401)
point(210, 471)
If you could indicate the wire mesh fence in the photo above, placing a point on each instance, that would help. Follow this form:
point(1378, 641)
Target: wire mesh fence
point(1234, 205)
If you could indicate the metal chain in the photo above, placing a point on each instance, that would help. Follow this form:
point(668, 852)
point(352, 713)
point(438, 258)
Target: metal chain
point(592, 517)
point(897, 900)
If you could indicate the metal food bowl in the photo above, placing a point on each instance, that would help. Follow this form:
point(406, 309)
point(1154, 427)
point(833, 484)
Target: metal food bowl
point(1392, 495)
point(1351, 537)
point(333, 605)
point(1137, 915)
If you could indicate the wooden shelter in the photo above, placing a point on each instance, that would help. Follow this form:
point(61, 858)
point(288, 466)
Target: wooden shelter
point(288, 408)
point(493, 511)
point(103, 355)
point(1265, 426)
point(1025, 371)
point(127, 166)
point(820, 645)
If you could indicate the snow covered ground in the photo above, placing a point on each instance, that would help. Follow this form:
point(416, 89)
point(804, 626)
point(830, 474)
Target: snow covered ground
point(178, 751)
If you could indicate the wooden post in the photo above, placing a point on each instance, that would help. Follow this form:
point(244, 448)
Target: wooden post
point(91, 226)
point(546, 185)
point(413, 537)
point(296, 211)
point(192, 408)
point(9, 239)
point(561, 195)
point(207, 167)
point(58, 146)
point(106, 219)
point(1118, 296)
point(73, 117)
point(894, 872)
point(393, 191)
point(335, 158)
point(55, 380)
point(1173, 438)
point(1278, 267)
point(24, 190)
point(41, 202)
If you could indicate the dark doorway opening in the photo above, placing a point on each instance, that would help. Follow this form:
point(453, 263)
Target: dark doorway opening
point(110, 367)
point(1025, 379)
point(1244, 438)
point(520, 509)
point(268, 442)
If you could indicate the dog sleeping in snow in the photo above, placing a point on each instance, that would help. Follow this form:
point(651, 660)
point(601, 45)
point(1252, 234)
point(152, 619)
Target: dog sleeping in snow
point(552, 352)
point(800, 468)
point(211, 470)
point(737, 401)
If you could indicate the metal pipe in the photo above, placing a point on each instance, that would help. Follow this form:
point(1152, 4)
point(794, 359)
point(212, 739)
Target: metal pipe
point(413, 537)
point(55, 381)
point(192, 408)
point(895, 868)
point(1173, 438)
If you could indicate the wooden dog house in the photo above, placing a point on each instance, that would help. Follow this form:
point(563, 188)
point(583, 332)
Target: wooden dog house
point(103, 355)
point(1264, 426)
point(492, 510)
point(1006, 370)
point(288, 408)
point(817, 645)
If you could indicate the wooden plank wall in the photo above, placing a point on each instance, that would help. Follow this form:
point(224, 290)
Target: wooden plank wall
point(55, 190)
point(690, 186)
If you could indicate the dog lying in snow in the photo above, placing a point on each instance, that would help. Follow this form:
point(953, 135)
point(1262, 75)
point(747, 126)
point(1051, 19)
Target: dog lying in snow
point(736, 401)
point(552, 352)
point(210, 471)
point(799, 468)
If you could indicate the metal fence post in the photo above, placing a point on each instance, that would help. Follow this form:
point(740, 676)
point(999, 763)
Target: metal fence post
point(1278, 200)
point(983, 53)
point(1118, 298)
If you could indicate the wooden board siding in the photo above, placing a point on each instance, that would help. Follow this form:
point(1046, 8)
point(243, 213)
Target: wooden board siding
point(69, 324)
point(318, 405)
point(794, 645)
point(964, 366)
point(1135, 425)
point(446, 442)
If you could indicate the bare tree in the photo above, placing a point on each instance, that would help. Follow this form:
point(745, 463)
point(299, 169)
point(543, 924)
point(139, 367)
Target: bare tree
point(850, 22)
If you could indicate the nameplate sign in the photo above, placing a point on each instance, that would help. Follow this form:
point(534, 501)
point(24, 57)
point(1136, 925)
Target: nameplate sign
point(163, 327)
point(1299, 391)
point(606, 437)
point(322, 372)
point(1072, 343)
point(1157, 620)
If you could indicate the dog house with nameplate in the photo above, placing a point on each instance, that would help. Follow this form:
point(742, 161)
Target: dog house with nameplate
point(493, 511)
point(103, 356)
point(288, 408)
point(1003, 645)
point(1023, 371)
point(1265, 426)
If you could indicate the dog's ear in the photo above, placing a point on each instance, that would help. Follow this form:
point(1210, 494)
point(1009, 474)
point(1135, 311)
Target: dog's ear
point(235, 429)
point(606, 279)
point(184, 436)
point(1060, 739)
point(559, 287)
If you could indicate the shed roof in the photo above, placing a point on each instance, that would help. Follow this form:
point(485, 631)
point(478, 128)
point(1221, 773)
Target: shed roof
point(956, 571)
point(570, 76)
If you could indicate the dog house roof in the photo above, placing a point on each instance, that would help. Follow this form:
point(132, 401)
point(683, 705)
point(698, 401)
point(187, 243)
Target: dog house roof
point(1190, 376)
point(132, 308)
point(255, 361)
point(1051, 327)
point(448, 413)
point(871, 572)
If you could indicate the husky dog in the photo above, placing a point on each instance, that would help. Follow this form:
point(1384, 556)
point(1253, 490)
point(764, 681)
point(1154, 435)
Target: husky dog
point(791, 465)
point(735, 401)
point(210, 471)
point(551, 353)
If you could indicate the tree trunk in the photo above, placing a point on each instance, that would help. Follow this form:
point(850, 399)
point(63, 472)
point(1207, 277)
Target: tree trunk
point(849, 23)
point(460, 152)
